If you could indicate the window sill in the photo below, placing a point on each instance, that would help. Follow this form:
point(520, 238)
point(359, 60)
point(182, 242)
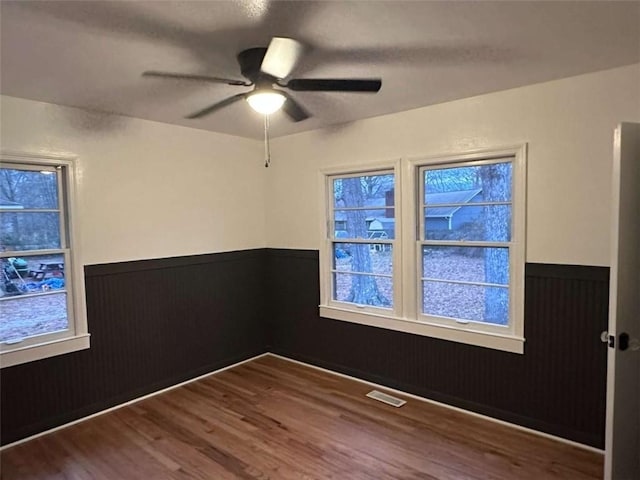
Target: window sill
point(39, 351)
point(507, 343)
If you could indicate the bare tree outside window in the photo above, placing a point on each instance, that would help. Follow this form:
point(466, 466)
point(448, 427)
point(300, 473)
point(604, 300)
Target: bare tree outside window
point(359, 201)
point(496, 179)
point(29, 190)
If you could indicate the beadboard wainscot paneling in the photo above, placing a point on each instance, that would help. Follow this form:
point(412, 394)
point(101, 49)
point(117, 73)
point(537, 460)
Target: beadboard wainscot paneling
point(153, 323)
point(557, 386)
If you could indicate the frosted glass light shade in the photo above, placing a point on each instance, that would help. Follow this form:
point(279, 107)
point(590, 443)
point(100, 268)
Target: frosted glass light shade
point(266, 102)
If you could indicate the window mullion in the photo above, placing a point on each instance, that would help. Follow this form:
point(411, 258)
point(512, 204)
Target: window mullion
point(409, 227)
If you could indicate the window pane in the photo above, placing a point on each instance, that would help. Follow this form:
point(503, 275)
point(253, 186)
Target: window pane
point(24, 316)
point(363, 257)
point(483, 183)
point(466, 302)
point(490, 223)
point(363, 289)
point(466, 264)
point(30, 230)
point(28, 189)
point(374, 191)
point(374, 223)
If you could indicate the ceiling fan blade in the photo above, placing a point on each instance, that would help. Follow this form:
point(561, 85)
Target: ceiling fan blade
point(281, 57)
point(371, 85)
point(201, 78)
point(293, 109)
point(217, 106)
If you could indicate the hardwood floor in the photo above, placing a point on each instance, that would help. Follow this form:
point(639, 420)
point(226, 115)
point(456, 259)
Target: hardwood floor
point(273, 419)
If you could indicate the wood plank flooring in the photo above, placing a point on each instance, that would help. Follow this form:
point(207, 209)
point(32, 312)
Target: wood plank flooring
point(273, 419)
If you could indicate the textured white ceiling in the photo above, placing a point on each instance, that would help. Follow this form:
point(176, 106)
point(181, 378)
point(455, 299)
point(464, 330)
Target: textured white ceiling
point(91, 53)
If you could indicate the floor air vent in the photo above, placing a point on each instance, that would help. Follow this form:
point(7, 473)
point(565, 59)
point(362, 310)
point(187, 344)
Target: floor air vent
point(383, 397)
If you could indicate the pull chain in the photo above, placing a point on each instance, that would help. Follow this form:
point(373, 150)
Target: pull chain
point(267, 148)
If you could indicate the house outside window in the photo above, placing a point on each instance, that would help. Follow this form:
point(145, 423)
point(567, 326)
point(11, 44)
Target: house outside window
point(42, 309)
point(452, 229)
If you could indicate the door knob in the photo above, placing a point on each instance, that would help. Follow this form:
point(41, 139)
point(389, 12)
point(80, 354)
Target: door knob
point(624, 341)
point(606, 338)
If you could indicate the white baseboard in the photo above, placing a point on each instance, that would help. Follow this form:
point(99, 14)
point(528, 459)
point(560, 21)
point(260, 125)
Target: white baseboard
point(111, 409)
point(440, 404)
point(377, 385)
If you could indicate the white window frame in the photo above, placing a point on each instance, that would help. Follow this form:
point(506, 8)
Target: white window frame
point(326, 266)
point(406, 315)
point(76, 336)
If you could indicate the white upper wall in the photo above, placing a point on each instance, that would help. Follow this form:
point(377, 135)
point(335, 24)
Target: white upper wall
point(147, 189)
point(568, 125)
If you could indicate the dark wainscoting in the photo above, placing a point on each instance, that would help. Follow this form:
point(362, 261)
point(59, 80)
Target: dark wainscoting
point(153, 323)
point(558, 386)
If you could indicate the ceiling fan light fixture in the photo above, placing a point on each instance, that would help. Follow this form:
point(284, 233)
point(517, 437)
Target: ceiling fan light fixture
point(268, 70)
point(266, 101)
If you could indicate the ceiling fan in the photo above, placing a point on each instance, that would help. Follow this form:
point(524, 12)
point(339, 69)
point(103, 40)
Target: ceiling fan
point(267, 69)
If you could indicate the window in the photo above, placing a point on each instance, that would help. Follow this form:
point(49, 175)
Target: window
point(362, 241)
point(41, 295)
point(451, 266)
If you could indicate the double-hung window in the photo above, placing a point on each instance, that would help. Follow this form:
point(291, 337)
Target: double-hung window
point(361, 238)
point(452, 266)
point(469, 259)
point(41, 294)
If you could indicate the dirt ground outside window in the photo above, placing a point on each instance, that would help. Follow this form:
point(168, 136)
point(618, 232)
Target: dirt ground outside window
point(466, 302)
point(24, 315)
